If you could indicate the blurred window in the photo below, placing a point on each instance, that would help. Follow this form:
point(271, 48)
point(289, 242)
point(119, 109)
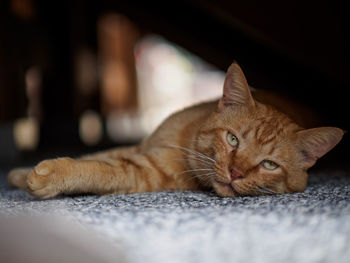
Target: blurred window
point(171, 78)
point(144, 80)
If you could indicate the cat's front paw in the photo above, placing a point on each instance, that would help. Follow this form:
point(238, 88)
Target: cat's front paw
point(46, 179)
point(18, 177)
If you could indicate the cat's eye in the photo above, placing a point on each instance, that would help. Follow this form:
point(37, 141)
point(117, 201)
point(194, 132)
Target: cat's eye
point(232, 140)
point(270, 165)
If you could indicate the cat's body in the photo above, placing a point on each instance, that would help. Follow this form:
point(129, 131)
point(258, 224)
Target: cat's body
point(236, 146)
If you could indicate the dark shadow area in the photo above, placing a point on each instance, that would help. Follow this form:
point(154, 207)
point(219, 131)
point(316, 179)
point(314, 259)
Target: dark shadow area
point(60, 61)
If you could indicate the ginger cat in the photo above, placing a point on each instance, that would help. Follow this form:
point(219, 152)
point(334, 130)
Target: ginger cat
point(236, 146)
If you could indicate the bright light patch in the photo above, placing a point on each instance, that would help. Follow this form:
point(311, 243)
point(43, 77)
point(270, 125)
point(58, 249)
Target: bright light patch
point(169, 79)
point(26, 133)
point(90, 128)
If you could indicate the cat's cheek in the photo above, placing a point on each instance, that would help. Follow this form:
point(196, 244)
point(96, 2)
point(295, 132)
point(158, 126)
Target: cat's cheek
point(296, 182)
point(224, 190)
point(270, 176)
point(221, 139)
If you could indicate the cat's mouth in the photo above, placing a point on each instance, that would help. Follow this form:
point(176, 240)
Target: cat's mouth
point(225, 189)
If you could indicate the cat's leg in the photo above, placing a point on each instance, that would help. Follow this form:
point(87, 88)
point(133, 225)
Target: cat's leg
point(65, 175)
point(131, 173)
point(18, 177)
point(112, 153)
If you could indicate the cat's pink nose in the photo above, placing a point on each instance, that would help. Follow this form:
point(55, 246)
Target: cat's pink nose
point(235, 174)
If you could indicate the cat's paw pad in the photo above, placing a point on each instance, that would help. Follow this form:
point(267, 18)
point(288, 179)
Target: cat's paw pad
point(45, 180)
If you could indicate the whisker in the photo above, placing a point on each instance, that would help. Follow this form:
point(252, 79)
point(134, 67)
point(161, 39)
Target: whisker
point(219, 168)
point(198, 158)
point(238, 189)
point(265, 190)
point(254, 189)
point(247, 189)
point(195, 170)
point(204, 162)
point(205, 177)
point(193, 152)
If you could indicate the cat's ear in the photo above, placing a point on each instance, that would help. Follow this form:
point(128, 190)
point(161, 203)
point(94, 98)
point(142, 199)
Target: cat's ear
point(236, 89)
point(316, 142)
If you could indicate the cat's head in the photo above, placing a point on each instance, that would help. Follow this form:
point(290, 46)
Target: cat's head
point(257, 149)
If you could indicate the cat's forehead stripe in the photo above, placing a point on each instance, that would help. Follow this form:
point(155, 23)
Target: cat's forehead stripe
point(272, 150)
point(246, 132)
point(212, 130)
point(266, 140)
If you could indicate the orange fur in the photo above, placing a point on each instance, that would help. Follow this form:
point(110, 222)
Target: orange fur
point(190, 150)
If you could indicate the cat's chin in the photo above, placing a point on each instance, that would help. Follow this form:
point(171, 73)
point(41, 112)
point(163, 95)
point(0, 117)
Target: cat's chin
point(224, 189)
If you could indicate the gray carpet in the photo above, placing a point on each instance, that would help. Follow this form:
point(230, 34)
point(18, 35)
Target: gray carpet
point(313, 226)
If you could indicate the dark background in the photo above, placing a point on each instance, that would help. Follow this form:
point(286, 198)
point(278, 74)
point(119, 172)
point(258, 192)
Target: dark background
point(297, 48)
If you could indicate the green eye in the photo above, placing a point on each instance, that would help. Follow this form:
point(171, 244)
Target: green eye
point(232, 140)
point(270, 165)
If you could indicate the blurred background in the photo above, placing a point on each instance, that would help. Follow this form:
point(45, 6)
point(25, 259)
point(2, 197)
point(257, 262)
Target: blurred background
point(81, 76)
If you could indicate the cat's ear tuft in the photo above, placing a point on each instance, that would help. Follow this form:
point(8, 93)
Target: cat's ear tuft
point(316, 142)
point(236, 89)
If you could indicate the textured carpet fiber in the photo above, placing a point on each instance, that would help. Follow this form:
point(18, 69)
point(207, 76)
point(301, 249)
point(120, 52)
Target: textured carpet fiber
point(313, 226)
